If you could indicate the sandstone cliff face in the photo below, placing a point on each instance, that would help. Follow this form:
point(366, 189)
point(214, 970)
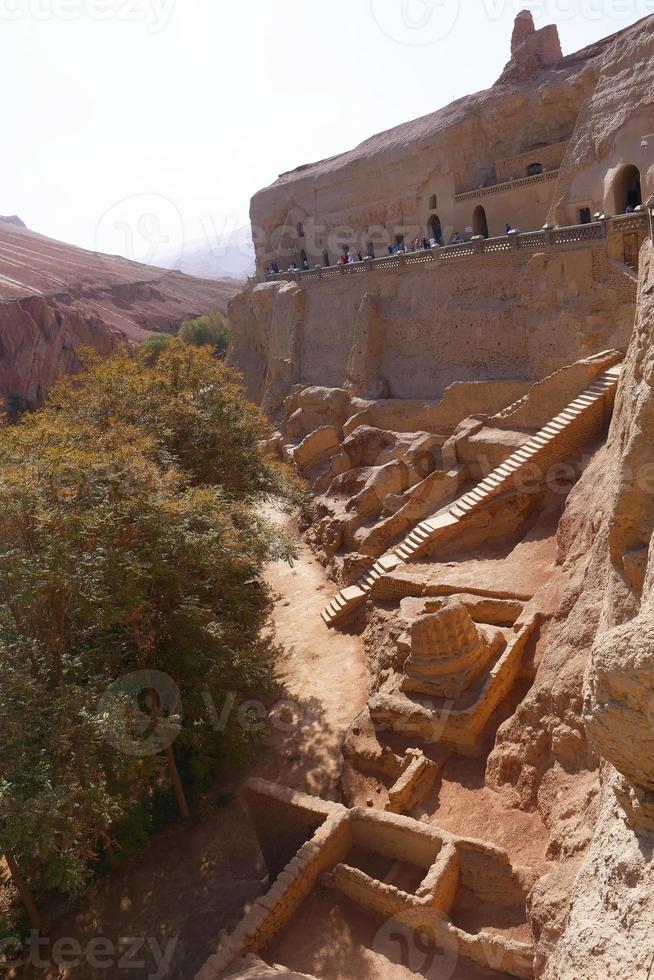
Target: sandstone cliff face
point(410, 333)
point(612, 907)
point(611, 126)
point(545, 754)
point(592, 108)
point(55, 298)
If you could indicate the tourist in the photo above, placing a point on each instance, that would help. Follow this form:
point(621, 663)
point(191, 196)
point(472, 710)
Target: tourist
point(629, 209)
point(507, 228)
point(274, 269)
point(432, 242)
point(360, 256)
point(343, 259)
point(456, 239)
point(305, 265)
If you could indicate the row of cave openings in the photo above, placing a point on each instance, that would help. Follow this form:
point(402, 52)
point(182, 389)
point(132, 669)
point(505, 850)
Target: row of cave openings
point(626, 196)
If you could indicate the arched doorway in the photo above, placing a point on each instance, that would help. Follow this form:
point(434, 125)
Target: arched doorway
point(479, 222)
point(435, 229)
point(627, 191)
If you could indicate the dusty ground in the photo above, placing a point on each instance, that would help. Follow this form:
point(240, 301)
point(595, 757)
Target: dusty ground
point(351, 944)
point(191, 882)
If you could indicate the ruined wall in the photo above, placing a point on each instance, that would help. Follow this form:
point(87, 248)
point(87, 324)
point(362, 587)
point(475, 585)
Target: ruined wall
point(507, 317)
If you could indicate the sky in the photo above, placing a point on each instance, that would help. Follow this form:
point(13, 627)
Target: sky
point(129, 126)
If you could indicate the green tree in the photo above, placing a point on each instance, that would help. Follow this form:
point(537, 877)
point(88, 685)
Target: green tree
point(131, 541)
point(207, 331)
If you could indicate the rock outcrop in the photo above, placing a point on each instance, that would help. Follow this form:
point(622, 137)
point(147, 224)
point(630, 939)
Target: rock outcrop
point(55, 298)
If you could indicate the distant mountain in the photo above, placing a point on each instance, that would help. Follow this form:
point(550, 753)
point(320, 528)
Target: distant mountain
point(55, 297)
point(230, 257)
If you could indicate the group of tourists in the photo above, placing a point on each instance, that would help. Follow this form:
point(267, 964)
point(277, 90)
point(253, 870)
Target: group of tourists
point(417, 245)
point(350, 256)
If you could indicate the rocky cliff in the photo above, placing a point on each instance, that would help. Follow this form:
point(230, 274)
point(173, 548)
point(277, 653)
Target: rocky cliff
point(412, 332)
point(55, 298)
point(611, 914)
point(582, 751)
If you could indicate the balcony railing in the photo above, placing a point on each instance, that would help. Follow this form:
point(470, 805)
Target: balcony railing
point(572, 236)
point(507, 185)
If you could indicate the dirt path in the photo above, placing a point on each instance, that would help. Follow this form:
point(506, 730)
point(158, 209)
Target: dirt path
point(324, 676)
point(191, 882)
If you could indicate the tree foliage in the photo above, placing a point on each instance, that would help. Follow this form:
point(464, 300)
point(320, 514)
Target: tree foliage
point(131, 540)
point(207, 331)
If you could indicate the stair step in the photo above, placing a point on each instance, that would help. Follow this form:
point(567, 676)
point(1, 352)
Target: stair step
point(420, 535)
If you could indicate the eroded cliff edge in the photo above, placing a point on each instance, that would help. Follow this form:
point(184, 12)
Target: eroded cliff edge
point(609, 926)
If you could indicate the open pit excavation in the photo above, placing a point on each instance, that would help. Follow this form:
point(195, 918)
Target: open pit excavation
point(474, 421)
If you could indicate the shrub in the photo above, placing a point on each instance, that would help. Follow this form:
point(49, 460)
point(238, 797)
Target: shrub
point(131, 540)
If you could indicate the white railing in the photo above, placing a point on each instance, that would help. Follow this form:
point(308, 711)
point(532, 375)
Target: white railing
point(506, 185)
point(568, 237)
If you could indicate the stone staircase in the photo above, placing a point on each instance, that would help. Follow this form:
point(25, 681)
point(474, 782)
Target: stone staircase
point(566, 433)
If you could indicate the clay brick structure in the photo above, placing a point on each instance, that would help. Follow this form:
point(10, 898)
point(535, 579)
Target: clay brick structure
point(435, 875)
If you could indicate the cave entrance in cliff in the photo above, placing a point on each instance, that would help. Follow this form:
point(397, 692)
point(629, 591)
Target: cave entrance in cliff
point(435, 229)
point(627, 191)
point(480, 222)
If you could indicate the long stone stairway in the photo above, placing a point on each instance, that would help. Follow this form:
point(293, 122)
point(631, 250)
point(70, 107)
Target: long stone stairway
point(580, 422)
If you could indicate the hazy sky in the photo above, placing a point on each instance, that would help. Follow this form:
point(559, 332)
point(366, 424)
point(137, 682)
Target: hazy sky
point(131, 124)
